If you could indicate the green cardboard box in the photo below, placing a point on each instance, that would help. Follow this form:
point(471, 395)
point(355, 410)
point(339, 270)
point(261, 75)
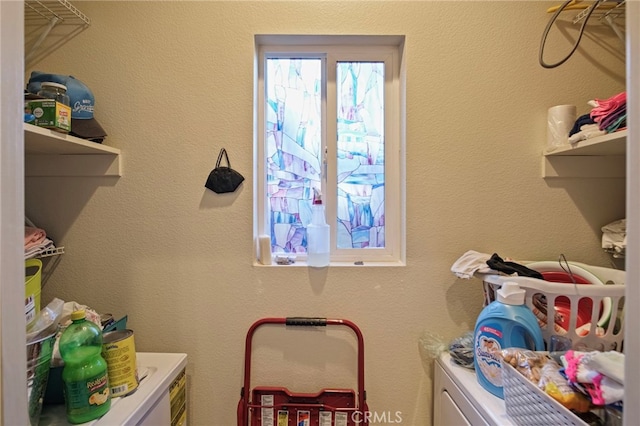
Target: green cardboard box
point(51, 114)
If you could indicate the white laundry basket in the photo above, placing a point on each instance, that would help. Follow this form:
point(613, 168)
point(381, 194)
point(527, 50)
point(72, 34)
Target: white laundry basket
point(527, 405)
point(603, 334)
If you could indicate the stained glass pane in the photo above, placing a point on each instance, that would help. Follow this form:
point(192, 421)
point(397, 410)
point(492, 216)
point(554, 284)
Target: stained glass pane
point(293, 148)
point(360, 155)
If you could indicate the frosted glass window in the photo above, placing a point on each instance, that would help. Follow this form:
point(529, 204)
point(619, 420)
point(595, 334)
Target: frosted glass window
point(360, 156)
point(329, 119)
point(294, 148)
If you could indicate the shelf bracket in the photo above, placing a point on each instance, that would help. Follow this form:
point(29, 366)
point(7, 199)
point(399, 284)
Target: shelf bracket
point(43, 35)
point(51, 23)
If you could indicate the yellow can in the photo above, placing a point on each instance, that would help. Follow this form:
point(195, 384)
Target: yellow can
point(118, 349)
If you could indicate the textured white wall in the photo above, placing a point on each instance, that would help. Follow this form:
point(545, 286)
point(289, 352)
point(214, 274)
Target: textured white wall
point(174, 84)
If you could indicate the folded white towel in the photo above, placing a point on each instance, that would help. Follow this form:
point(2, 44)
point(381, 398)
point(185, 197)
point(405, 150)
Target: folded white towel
point(586, 132)
point(614, 235)
point(471, 262)
point(616, 227)
point(610, 363)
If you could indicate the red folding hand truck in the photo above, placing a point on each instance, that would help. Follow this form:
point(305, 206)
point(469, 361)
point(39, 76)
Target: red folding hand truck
point(277, 406)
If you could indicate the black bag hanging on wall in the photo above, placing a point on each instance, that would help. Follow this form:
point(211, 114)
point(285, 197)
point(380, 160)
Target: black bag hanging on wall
point(223, 179)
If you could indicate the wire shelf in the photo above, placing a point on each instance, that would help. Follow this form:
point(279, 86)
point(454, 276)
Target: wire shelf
point(55, 251)
point(608, 13)
point(614, 9)
point(54, 10)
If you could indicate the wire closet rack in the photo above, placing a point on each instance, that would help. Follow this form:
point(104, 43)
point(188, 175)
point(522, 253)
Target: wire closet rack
point(610, 13)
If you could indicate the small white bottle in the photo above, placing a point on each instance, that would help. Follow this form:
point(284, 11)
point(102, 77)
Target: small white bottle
point(318, 251)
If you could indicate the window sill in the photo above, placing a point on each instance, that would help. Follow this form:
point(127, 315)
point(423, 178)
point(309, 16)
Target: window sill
point(302, 263)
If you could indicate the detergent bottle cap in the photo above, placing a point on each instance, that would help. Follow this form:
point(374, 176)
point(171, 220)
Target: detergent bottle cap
point(511, 294)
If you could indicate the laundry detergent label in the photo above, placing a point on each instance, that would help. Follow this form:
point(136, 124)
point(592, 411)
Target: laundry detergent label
point(283, 418)
point(325, 418)
point(487, 353)
point(266, 412)
point(304, 418)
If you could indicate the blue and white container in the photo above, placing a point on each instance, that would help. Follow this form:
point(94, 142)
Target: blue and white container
point(505, 323)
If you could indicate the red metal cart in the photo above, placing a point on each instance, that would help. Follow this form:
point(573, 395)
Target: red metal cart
point(277, 406)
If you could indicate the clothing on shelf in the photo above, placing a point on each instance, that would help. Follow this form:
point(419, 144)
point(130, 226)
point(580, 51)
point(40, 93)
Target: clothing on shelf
point(36, 251)
point(586, 131)
point(614, 237)
point(33, 236)
point(36, 242)
point(606, 116)
point(611, 113)
point(581, 121)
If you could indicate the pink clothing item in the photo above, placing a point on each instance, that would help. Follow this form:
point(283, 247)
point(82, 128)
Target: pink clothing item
point(596, 392)
point(608, 106)
point(575, 367)
point(572, 362)
point(601, 389)
point(33, 236)
point(604, 391)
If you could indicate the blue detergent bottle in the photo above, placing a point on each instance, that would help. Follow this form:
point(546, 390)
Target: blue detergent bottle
point(505, 323)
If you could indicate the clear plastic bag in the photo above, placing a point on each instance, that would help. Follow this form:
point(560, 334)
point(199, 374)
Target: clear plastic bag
point(46, 321)
point(430, 346)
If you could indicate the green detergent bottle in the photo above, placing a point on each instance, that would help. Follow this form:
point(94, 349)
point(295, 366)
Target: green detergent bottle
point(85, 376)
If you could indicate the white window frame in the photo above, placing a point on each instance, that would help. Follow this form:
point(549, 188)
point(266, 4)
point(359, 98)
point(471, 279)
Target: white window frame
point(332, 49)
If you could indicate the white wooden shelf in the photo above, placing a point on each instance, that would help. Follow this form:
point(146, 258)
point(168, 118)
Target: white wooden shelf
point(599, 157)
point(51, 153)
point(609, 144)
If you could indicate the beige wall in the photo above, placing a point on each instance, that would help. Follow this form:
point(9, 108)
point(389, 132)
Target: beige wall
point(174, 84)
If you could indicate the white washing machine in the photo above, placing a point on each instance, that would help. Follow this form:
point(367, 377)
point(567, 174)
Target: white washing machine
point(458, 398)
point(159, 400)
